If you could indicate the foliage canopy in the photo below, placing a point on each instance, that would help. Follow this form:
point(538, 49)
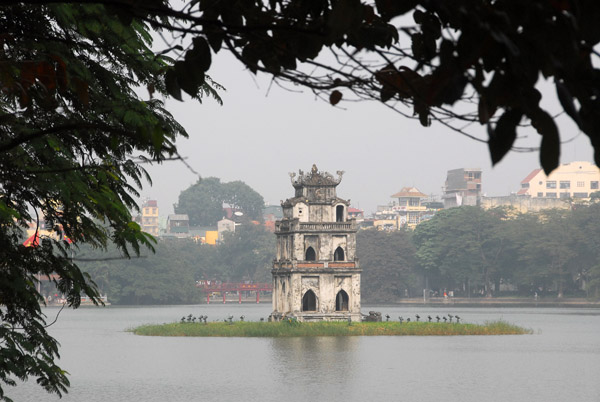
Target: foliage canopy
point(473, 251)
point(73, 131)
point(460, 63)
point(168, 276)
point(73, 136)
point(203, 202)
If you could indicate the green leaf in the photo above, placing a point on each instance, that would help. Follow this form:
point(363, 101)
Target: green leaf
point(393, 8)
point(483, 110)
point(172, 85)
point(502, 137)
point(566, 101)
point(215, 37)
point(335, 97)
point(202, 55)
point(387, 93)
point(186, 78)
point(344, 15)
point(550, 147)
point(421, 109)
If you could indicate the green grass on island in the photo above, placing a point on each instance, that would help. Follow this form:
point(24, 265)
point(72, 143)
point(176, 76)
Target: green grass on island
point(286, 329)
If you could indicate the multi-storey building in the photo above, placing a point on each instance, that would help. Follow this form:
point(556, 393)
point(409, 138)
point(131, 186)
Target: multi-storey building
point(357, 214)
point(149, 218)
point(462, 187)
point(316, 275)
point(223, 226)
point(409, 208)
point(574, 180)
point(178, 225)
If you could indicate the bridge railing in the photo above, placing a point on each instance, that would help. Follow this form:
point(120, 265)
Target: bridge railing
point(225, 287)
point(233, 287)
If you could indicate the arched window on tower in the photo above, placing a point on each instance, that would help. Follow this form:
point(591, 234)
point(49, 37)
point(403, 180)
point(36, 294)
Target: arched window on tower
point(309, 301)
point(339, 213)
point(341, 301)
point(338, 254)
point(310, 254)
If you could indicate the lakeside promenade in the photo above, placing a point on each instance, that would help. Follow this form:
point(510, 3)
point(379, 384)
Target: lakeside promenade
point(419, 302)
point(500, 302)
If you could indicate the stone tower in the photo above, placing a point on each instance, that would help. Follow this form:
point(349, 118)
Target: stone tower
point(316, 275)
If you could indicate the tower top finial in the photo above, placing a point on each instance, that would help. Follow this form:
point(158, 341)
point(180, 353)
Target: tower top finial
point(315, 178)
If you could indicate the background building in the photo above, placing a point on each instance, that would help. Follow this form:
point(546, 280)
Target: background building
point(524, 204)
point(178, 225)
point(357, 214)
point(409, 208)
point(462, 187)
point(223, 226)
point(149, 218)
point(576, 180)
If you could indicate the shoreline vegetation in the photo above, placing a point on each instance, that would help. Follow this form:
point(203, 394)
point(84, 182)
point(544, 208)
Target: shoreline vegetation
point(297, 329)
point(580, 302)
point(462, 302)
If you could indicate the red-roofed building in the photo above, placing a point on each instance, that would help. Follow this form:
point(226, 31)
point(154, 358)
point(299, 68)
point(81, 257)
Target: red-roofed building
point(574, 180)
point(270, 226)
point(409, 206)
point(525, 183)
point(33, 240)
point(356, 213)
point(568, 184)
point(409, 197)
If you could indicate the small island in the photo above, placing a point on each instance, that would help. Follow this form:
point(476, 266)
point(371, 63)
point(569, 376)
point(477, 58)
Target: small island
point(323, 328)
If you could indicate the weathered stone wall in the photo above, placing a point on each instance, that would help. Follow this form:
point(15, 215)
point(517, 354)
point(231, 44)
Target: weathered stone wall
point(524, 204)
point(311, 220)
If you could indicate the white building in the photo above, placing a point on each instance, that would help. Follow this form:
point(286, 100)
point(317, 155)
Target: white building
point(575, 180)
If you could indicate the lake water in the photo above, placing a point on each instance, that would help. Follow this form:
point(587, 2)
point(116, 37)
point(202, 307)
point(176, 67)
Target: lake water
point(559, 362)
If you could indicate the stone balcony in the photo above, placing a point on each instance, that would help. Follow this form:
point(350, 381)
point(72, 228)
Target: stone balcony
point(308, 227)
point(295, 264)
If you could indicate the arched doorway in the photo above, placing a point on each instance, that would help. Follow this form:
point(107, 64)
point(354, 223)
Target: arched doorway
point(338, 254)
point(341, 301)
point(309, 301)
point(339, 213)
point(310, 254)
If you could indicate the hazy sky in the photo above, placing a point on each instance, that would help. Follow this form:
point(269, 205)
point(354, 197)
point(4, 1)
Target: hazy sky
point(260, 135)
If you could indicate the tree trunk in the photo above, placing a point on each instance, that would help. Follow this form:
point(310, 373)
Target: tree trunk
point(560, 288)
point(560, 282)
point(488, 284)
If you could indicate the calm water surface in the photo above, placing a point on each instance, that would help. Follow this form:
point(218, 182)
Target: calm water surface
point(559, 362)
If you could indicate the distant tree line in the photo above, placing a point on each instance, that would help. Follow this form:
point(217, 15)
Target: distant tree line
point(473, 252)
point(169, 275)
point(468, 251)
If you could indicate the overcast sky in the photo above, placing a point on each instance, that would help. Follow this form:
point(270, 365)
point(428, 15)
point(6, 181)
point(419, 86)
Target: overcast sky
point(260, 135)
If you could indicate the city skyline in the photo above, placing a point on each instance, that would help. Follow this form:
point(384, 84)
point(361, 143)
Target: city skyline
point(262, 132)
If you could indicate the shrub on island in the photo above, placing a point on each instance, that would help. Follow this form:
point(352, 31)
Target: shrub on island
point(297, 329)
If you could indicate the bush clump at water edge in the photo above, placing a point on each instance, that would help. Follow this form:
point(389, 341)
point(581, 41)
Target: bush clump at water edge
point(284, 329)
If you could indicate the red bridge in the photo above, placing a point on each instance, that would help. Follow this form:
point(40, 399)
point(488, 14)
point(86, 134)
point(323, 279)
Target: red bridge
point(224, 287)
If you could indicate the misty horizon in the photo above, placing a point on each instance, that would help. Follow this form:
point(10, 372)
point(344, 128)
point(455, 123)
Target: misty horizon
point(263, 132)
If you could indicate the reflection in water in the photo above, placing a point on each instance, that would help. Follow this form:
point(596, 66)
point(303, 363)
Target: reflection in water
point(560, 362)
point(323, 365)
